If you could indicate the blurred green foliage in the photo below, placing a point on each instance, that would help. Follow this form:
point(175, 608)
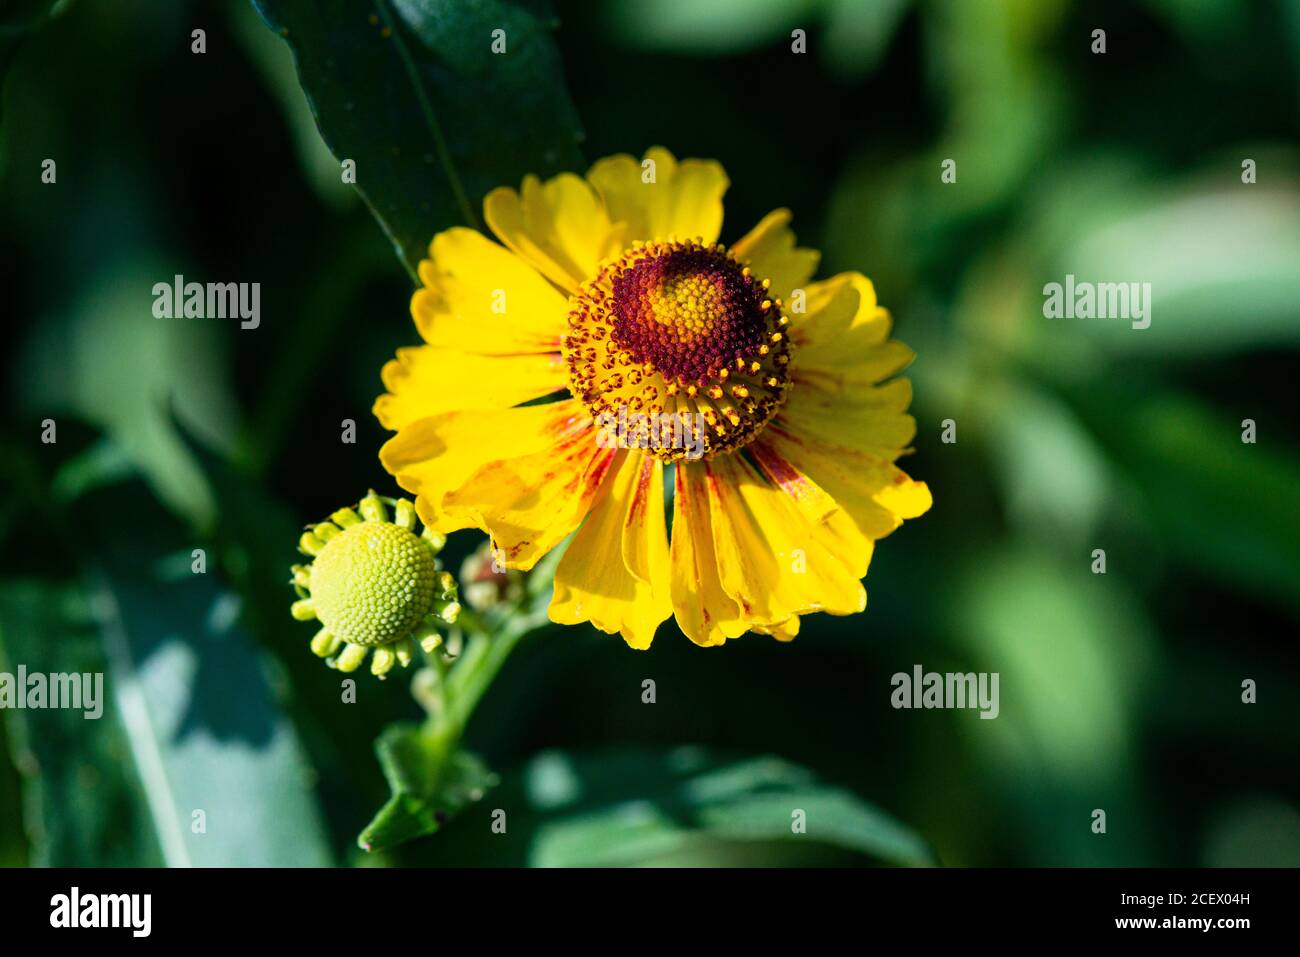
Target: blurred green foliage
point(1120, 692)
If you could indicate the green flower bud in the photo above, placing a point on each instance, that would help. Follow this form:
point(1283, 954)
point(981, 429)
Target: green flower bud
point(374, 585)
point(488, 582)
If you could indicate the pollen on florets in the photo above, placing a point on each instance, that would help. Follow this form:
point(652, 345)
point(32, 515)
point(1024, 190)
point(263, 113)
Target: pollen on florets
point(374, 586)
point(681, 329)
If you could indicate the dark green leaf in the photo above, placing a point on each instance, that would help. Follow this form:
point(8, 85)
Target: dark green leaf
point(666, 802)
point(428, 786)
point(82, 804)
point(1226, 507)
point(413, 93)
point(164, 378)
point(636, 807)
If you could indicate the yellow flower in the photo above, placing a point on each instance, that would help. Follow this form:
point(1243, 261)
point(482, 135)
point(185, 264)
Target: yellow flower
point(374, 585)
point(651, 345)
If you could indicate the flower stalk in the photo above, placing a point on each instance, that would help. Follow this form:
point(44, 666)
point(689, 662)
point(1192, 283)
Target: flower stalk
point(449, 689)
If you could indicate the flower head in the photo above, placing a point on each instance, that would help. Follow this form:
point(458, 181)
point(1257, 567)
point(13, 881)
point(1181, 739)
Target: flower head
point(685, 330)
point(610, 337)
point(374, 585)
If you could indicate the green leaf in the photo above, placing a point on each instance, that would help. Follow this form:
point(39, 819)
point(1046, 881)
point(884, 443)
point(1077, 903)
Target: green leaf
point(852, 35)
point(429, 786)
point(274, 61)
point(708, 29)
point(627, 807)
point(858, 34)
point(1077, 660)
point(412, 91)
point(1207, 254)
point(163, 376)
point(82, 804)
point(204, 728)
point(1055, 477)
point(1223, 506)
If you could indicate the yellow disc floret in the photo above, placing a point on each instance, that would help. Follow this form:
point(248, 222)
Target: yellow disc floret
point(375, 585)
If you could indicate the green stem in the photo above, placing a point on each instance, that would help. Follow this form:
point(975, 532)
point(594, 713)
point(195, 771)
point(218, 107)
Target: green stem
point(426, 689)
point(454, 693)
point(481, 662)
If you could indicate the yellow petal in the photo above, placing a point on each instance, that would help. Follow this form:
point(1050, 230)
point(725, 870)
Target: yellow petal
point(479, 296)
point(906, 497)
point(770, 250)
point(659, 197)
point(693, 206)
point(786, 631)
point(618, 181)
point(772, 561)
point(645, 534)
point(846, 301)
point(866, 419)
point(432, 456)
point(704, 612)
point(815, 504)
point(560, 227)
point(426, 380)
point(875, 494)
point(852, 367)
point(531, 503)
point(591, 585)
point(843, 339)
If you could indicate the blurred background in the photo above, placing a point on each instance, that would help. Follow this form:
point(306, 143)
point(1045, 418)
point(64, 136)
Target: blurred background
point(1120, 692)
